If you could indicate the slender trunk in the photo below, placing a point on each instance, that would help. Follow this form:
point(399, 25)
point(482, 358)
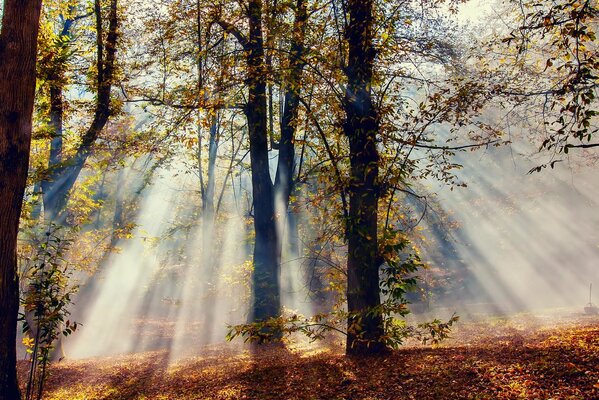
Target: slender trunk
point(269, 39)
point(212, 153)
point(63, 177)
point(365, 325)
point(56, 84)
point(200, 88)
point(271, 115)
point(56, 112)
point(284, 181)
point(36, 211)
point(18, 49)
point(266, 299)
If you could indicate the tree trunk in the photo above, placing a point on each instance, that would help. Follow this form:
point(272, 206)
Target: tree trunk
point(56, 83)
point(63, 177)
point(365, 325)
point(284, 181)
point(266, 299)
point(212, 153)
point(266, 302)
point(18, 50)
point(56, 111)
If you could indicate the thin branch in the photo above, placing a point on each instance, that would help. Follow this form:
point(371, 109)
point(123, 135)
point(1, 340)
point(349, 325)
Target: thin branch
point(230, 28)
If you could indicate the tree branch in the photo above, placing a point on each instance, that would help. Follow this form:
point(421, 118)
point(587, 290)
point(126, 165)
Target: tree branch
point(582, 146)
point(230, 28)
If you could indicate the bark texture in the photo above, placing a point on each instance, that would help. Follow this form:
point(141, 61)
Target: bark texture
point(64, 173)
point(266, 300)
point(56, 82)
point(365, 324)
point(18, 48)
point(284, 181)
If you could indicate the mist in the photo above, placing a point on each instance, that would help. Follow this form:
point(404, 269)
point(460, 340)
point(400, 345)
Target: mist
point(516, 241)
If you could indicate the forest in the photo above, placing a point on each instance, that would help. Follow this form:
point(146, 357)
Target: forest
point(299, 199)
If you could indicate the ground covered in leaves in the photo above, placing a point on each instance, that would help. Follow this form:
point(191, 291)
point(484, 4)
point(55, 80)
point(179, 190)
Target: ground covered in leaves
point(516, 358)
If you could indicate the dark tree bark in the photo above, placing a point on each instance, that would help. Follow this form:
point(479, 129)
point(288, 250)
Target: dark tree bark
point(266, 302)
point(18, 48)
point(266, 299)
point(56, 112)
point(64, 175)
point(284, 180)
point(56, 84)
point(365, 325)
point(212, 153)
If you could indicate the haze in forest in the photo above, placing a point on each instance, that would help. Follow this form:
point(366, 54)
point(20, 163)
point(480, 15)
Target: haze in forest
point(180, 179)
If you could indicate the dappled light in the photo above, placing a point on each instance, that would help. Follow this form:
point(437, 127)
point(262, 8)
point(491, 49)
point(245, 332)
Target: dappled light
point(529, 243)
point(302, 199)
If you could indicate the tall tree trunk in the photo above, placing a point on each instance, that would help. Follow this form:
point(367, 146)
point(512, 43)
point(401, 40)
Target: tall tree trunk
point(266, 300)
point(56, 83)
point(212, 153)
point(18, 50)
point(284, 181)
point(63, 177)
point(365, 325)
point(56, 112)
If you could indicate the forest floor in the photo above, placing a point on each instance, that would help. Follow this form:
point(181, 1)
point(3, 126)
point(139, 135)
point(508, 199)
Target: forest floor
point(524, 357)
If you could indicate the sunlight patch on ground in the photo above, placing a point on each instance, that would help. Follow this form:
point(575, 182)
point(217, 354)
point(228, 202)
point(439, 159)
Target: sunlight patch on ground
point(498, 358)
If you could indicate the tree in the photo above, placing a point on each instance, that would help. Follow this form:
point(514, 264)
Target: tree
point(18, 50)
point(266, 301)
point(365, 324)
point(548, 70)
point(63, 173)
point(286, 161)
point(391, 88)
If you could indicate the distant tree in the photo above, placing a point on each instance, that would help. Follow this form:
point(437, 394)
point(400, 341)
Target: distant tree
point(284, 181)
point(64, 171)
point(18, 50)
